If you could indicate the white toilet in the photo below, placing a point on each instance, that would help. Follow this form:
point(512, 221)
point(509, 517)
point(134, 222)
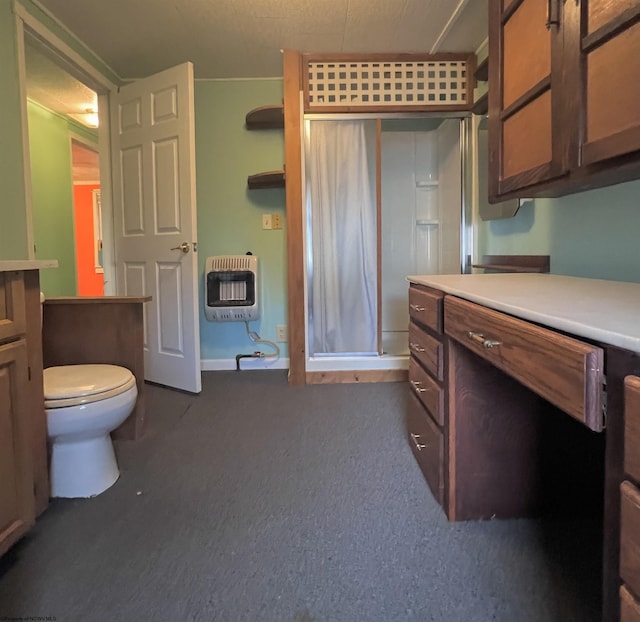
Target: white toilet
point(83, 404)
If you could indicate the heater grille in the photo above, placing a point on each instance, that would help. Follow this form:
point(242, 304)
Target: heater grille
point(231, 262)
point(231, 286)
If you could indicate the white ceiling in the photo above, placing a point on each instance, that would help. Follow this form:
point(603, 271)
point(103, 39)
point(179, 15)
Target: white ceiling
point(51, 86)
point(239, 38)
point(243, 38)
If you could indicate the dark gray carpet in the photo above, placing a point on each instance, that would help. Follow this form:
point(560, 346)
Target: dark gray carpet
point(256, 501)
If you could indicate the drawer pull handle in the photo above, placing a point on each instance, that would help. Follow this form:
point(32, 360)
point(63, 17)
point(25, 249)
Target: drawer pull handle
point(417, 307)
point(419, 446)
point(416, 346)
point(416, 385)
point(480, 338)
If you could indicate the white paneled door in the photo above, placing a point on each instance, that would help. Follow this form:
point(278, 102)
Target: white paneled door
point(153, 150)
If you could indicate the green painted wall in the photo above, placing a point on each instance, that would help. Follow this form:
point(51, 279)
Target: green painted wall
point(13, 232)
point(591, 234)
point(52, 198)
point(230, 215)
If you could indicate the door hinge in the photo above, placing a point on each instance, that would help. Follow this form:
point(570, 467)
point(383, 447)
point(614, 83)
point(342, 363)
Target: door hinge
point(29, 372)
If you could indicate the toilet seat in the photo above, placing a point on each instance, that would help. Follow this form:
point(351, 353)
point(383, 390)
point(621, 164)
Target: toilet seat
point(73, 385)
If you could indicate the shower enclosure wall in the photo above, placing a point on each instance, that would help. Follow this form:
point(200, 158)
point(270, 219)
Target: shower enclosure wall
point(384, 199)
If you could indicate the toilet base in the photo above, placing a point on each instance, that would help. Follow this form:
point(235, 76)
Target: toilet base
point(83, 468)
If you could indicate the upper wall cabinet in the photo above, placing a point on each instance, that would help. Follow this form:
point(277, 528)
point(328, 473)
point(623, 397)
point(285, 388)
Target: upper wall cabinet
point(610, 66)
point(564, 95)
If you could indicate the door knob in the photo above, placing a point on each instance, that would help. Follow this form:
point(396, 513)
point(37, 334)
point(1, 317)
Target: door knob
point(184, 247)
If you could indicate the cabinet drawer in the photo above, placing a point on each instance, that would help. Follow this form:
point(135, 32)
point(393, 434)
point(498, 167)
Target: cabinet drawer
point(629, 606)
point(427, 390)
point(427, 444)
point(13, 318)
point(425, 306)
point(632, 426)
point(630, 536)
point(566, 372)
point(427, 349)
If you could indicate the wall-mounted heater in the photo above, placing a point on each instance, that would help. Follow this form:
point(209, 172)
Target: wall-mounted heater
point(231, 286)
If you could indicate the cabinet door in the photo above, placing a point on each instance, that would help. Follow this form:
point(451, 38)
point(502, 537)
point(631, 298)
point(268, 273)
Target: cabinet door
point(610, 59)
point(632, 427)
point(528, 141)
point(17, 512)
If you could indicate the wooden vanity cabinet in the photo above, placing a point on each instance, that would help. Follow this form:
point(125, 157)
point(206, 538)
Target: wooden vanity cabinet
point(563, 100)
point(533, 423)
point(425, 416)
point(630, 505)
point(24, 489)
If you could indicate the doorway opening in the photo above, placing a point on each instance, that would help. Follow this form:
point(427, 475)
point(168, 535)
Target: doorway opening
point(66, 144)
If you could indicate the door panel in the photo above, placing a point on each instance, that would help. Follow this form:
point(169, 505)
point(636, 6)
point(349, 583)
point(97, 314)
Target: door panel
point(155, 212)
point(612, 123)
point(530, 126)
point(599, 12)
point(527, 50)
point(529, 141)
point(17, 511)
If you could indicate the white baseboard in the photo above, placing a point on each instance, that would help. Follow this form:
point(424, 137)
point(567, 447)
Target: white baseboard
point(248, 363)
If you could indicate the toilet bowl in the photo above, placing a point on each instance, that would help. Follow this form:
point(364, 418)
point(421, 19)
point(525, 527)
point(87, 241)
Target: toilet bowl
point(83, 404)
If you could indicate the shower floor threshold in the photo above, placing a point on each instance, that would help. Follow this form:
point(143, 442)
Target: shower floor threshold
point(350, 363)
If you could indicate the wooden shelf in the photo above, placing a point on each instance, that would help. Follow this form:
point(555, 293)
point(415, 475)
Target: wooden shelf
point(481, 106)
point(515, 263)
point(482, 71)
point(265, 118)
point(269, 179)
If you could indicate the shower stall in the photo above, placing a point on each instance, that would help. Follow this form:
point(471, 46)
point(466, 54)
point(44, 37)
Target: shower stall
point(384, 198)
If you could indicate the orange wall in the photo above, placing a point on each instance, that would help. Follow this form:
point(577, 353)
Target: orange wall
point(90, 283)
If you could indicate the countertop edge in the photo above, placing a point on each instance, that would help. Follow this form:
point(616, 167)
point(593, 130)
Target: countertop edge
point(12, 265)
point(82, 300)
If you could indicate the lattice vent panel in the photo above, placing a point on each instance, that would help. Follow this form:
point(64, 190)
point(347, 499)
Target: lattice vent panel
point(392, 84)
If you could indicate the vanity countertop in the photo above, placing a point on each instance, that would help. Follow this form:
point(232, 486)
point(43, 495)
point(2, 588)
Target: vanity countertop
point(605, 311)
point(27, 264)
point(88, 300)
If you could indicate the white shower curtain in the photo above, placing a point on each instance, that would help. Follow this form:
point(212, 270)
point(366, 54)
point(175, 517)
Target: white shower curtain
point(341, 198)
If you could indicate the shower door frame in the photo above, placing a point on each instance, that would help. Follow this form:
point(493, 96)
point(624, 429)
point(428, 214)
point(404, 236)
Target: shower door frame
point(327, 368)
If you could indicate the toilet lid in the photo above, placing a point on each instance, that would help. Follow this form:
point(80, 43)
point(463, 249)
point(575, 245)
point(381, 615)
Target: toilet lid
point(67, 385)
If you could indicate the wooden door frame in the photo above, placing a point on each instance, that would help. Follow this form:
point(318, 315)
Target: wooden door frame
point(294, 84)
point(75, 65)
point(293, 118)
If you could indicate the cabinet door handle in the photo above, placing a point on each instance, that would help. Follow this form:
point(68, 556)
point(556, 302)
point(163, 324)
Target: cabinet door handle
point(416, 346)
point(484, 342)
point(416, 307)
point(553, 14)
point(419, 446)
point(416, 385)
